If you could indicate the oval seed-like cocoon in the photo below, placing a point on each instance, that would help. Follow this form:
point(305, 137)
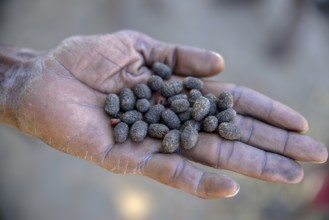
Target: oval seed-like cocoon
point(210, 124)
point(229, 131)
point(227, 115)
point(180, 105)
point(200, 108)
point(127, 99)
point(158, 130)
point(171, 141)
point(138, 131)
point(193, 95)
point(142, 91)
point(213, 103)
point(120, 132)
point(162, 70)
point(170, 119)
point(224, 101)
point(112, 104)
point(143, 105)
point(171, 88)
point(193, 123)
point(184, 116)
point(175, 97)
point(155, 83)
point(191, 82)
point(131, 117)
point(153, 115)
point(189, 137)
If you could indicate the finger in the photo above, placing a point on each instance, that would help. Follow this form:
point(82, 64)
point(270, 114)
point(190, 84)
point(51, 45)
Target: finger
point(176, 172)
point(236, 156)
point(291, 144)
point(184, 60)
point(254, 104)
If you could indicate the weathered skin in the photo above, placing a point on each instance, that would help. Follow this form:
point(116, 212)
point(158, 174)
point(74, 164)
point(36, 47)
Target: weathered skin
point(58, 97)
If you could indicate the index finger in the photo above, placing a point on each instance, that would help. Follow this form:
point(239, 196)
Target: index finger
point(183, 60)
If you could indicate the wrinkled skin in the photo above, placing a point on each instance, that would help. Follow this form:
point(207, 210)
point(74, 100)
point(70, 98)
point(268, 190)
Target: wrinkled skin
point(62, 101)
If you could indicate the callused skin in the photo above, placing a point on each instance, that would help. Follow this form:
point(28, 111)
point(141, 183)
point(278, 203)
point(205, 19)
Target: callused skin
point(58, 97)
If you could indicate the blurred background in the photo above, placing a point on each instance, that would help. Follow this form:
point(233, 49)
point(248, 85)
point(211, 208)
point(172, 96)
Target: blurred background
point(277, 47)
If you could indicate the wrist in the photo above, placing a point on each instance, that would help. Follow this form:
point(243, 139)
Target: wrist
point(14, 65)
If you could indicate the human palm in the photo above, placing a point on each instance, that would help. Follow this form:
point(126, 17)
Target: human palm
point(62, 104)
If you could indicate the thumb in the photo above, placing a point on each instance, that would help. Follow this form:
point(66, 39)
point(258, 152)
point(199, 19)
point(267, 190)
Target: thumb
point(183, 60)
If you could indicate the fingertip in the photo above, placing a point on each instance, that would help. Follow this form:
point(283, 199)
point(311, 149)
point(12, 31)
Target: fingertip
point(235, 192)
point(325, 154)
point(296, 176)
point(292, 172)
point(322, 153)
point(197, 62)
point(280, 169)
point(289, 118)
point(218, 61)
point(303, 125)
point(214, 186)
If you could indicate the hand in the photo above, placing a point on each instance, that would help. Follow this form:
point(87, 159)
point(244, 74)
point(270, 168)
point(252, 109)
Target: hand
point(63, 98)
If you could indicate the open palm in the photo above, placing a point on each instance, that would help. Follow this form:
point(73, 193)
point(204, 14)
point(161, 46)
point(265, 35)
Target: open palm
point(63, 100)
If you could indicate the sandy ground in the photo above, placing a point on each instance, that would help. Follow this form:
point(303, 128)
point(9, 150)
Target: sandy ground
point(269, 46)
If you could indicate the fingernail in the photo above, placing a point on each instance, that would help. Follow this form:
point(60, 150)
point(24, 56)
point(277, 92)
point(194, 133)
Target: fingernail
point(236, 191)
point(322, 155)
point(305, 127)
point(220, 62)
